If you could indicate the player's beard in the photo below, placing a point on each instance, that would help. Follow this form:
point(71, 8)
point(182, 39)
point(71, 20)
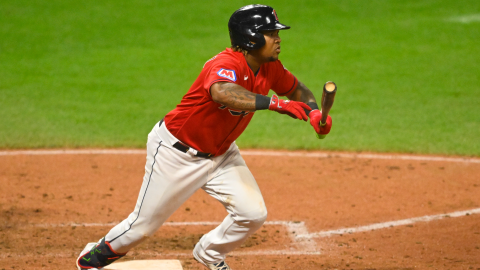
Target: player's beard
point(272, 59)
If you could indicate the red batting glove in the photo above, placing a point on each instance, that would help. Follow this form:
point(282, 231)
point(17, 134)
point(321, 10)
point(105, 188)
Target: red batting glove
point(294, 109)
point(315, 118)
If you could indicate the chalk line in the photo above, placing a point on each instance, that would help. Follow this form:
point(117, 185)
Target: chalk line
point(74, 152)
point(299, 246)
point(389, 224)
point(235, 253)
point(246, 153)
point(362, 156)
point(169, 223)
point(294, 228)
point(133, 253)
point(303, 242)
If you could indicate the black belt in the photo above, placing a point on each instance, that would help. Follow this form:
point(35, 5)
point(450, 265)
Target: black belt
point(184, 148)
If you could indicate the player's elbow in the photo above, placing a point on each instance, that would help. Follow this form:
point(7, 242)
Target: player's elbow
point(218, 92)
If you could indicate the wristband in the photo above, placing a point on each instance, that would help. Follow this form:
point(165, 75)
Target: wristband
point(261, 102)
point(312, 105)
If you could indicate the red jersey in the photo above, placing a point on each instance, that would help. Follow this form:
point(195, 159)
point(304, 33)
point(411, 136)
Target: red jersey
point(210, 127)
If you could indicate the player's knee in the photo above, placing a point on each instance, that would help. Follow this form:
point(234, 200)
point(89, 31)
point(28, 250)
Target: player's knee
point(262, 215)
point(255, 218)
point(260, 219)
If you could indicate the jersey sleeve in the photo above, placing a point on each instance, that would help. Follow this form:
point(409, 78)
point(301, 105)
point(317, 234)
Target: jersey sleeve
point(284, 82)
point(221, 70)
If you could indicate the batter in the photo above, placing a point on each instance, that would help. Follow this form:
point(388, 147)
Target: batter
point(194, 145)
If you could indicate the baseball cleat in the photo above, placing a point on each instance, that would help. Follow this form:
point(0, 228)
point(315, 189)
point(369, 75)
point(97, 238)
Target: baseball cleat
point(216, 266)
point(97, 255)
point(87, 249)
point(219, 266)
point(212, 266)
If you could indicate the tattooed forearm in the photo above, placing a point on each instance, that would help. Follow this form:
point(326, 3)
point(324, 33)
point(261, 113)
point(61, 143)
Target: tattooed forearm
point(302, 93)
point(233, 96)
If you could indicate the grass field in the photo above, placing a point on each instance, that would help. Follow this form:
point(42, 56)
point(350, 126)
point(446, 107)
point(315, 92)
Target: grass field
point(101, 73)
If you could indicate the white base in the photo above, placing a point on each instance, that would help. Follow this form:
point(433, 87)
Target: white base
point(146, 265)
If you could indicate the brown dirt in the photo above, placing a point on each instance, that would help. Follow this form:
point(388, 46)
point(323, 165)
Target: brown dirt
point(42, 195)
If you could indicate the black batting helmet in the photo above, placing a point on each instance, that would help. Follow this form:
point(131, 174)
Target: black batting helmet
point(246, 23)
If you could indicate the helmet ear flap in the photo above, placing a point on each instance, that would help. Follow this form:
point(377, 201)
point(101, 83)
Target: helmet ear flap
point(248, 41)
point(237, 39)
point(255, 41)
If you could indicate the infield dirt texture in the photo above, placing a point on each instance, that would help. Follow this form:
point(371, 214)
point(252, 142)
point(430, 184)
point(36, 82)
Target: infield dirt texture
point(52, 204)
point(99, 74)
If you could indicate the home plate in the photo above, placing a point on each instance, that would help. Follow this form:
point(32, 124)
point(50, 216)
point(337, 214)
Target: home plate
point(146, 265)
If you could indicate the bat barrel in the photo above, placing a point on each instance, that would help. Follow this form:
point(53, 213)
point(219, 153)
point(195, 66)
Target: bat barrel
point(328, 96)
point(330, 87)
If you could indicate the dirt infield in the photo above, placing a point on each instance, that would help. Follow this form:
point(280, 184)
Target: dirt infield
point(53, 204)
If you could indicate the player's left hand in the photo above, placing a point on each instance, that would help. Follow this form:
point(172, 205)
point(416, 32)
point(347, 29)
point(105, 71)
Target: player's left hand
point(294, 109)
point(315, 118)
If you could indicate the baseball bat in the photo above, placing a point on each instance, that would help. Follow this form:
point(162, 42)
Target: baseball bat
point(328, 96)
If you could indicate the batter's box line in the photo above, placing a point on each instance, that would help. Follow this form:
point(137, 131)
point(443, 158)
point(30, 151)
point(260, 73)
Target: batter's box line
point(389, 224)
point(304, 245)
point(303, 242)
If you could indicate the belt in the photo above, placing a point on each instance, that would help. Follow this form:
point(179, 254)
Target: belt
point(185, 148)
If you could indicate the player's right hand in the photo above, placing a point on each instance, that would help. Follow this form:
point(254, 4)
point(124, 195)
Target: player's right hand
point(315, 118)
point(294, 109)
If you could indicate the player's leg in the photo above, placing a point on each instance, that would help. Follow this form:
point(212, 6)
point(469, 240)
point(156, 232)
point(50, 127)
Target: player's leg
point(235, 187)
point(171, 177)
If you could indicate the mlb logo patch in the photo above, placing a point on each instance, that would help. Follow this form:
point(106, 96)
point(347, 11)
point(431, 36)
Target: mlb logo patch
point(227, 73)
point(275, 13)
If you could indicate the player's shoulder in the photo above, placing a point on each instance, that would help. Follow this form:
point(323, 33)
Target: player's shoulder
point(226, 56)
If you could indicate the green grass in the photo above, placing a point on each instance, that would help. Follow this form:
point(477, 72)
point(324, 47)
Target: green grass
point(101, 73)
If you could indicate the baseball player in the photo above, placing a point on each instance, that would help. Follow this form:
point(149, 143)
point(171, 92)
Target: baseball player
point(194, 145)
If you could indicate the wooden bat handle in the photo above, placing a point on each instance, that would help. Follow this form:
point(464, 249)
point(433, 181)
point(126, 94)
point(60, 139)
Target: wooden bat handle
point(328, 96)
